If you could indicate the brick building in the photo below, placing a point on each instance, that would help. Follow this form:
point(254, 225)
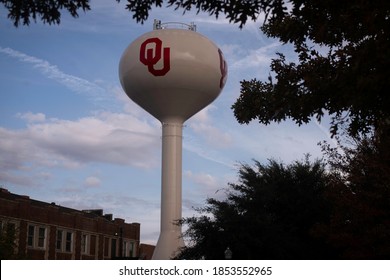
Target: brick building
point(146, 251)
point(49, 231)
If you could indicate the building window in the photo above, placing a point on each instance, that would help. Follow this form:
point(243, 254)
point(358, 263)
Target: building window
point(92, 245)
point(64, 241)
point(128, 249)
point(59, 240)
point(69, 242)
point(124, 249)
point(30, 236)
point(106, 246)
point(84, 243)
point(132, 249)
point(41, 237)
point(36, 236)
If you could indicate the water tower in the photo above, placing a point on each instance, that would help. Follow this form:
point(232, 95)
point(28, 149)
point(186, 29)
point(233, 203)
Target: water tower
point(172, 72)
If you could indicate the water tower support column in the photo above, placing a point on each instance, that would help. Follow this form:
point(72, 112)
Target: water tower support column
point(171, 191)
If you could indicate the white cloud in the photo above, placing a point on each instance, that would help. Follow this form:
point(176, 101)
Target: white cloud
point(107, 138)
point(202, 185)
point(202, 178)
point(92, 181)
point(260, 57)
point(74, 83)
point(284, 141)
point(208, 154)
point(214, 136)
point(31, 117)
point(202, 125)
point(203, 115)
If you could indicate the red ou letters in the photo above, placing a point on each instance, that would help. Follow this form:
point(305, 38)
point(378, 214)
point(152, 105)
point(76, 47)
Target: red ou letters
point(151, 55)
point(223, 68)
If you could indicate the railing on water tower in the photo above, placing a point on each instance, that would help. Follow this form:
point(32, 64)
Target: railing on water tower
point(158, 25)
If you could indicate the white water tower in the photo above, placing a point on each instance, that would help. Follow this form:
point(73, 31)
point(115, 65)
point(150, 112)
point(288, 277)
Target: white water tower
point(172, 73)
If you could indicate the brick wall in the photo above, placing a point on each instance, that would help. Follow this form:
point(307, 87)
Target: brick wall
point(99, 230)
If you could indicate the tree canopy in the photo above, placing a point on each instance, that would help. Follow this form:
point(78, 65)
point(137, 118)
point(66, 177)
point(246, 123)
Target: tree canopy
point(268, 214)
point(359, 191)
point(48, 11)
point(303, 210)
point(7, 241)
point(343, 61)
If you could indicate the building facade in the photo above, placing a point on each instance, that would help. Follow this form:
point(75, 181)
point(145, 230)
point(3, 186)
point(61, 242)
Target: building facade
point(49, 231)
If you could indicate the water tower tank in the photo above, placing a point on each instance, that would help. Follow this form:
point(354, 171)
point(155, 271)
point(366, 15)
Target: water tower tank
point(172, 73)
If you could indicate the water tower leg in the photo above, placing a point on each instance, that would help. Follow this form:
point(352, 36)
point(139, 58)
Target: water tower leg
point(171, 184)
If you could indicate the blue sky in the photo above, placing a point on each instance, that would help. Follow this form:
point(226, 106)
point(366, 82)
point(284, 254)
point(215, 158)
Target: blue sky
point(70, 135)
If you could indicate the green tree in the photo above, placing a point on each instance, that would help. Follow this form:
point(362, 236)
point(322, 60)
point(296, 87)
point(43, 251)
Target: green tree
point(359, 190)
point(7, 241)
point(269, 214)
point(342, 68)
point(48, 11)
point(343, 51)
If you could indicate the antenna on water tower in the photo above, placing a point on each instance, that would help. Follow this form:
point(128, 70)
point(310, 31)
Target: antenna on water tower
point(172, 72)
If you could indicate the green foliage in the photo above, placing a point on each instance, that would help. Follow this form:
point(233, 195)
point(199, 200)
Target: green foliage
point(359, 191)
point(7, 241)
point(236, 11)
point(343, 64)
point(49, 11)
point(303, 210)
point(140, 9)
point(269, 214)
